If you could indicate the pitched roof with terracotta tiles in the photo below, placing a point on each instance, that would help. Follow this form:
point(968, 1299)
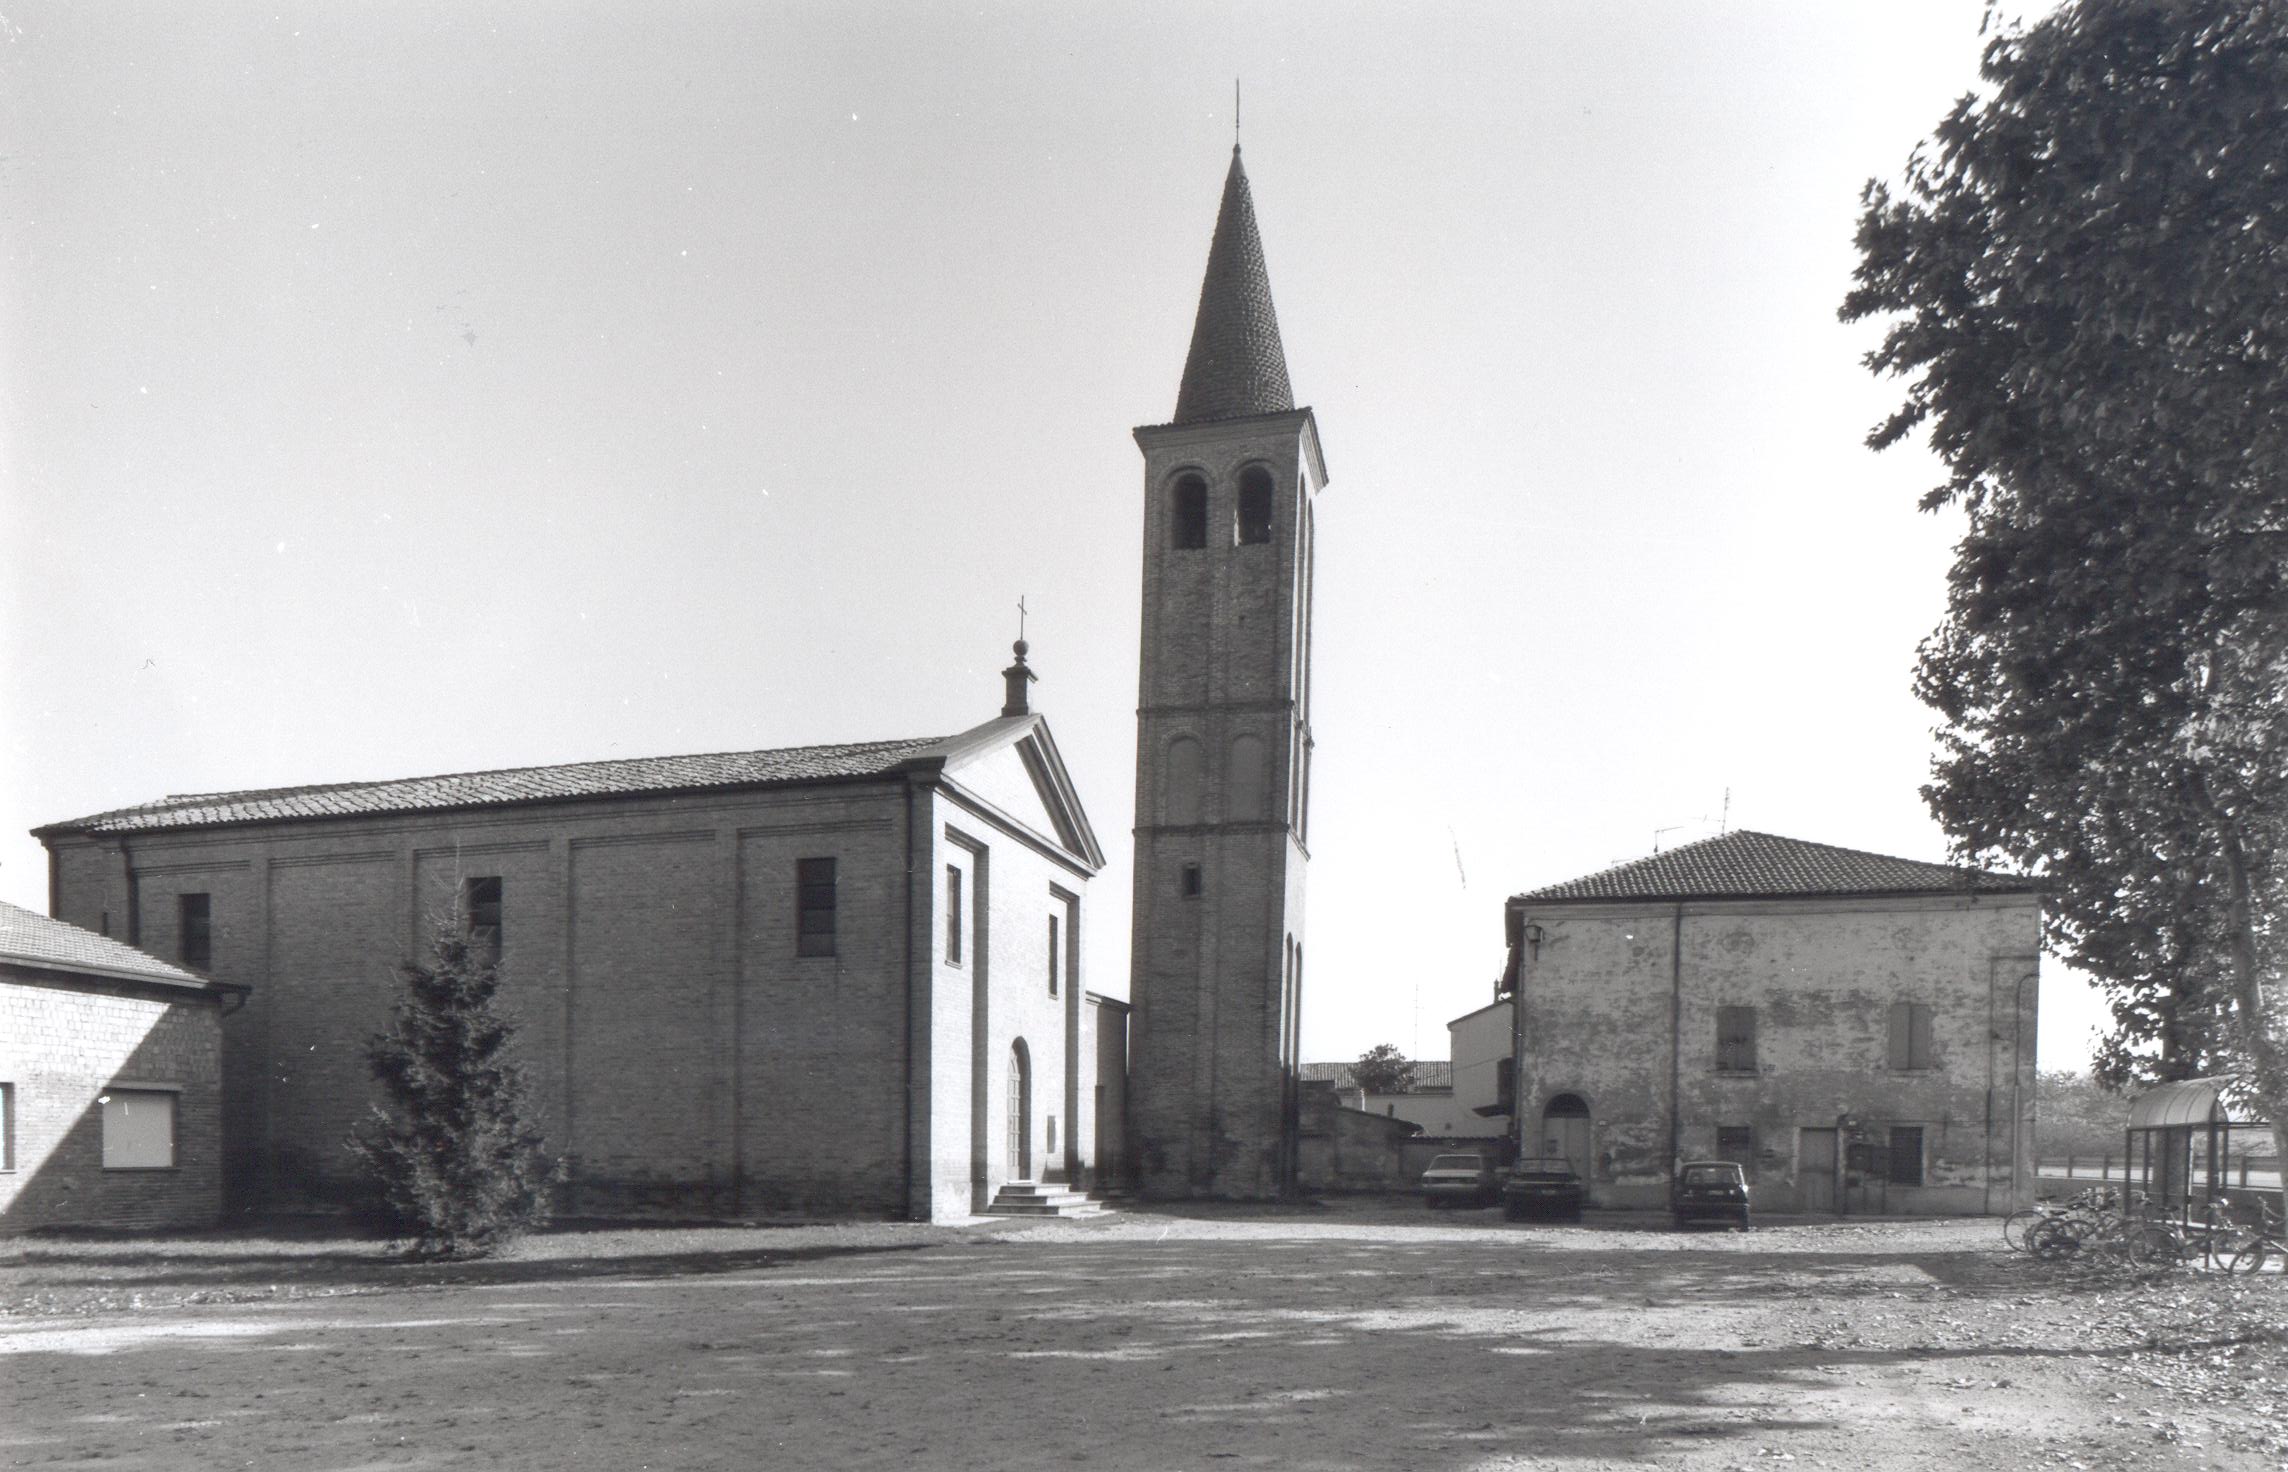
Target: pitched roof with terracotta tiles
point(1237, 366)
point(642, 775)
point(1751, 865)
point(29, 939)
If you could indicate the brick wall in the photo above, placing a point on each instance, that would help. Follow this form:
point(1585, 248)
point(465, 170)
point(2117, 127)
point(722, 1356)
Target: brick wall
point(1224, 689)
point(1822, 977)
point(681, 1052)
point(63, 1042)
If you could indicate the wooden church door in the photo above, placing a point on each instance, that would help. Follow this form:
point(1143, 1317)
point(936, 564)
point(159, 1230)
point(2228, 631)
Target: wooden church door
point(1020, 1114)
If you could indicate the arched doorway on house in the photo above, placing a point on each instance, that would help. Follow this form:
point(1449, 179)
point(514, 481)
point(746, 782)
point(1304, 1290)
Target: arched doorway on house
point(1020, 1112)
point(1565, 1131)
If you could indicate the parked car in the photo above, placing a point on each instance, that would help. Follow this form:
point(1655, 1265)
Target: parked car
point(1710, 1190)
point(1466, 1180)
point(1543, 1186)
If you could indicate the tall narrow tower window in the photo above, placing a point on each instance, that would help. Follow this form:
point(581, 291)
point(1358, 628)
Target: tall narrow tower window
point(1188, 514)
point(1254, 521)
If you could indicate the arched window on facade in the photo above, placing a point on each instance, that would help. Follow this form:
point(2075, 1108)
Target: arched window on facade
point(1254, 520)
point(1184, 768)
point(1188, 513)
point(1244, 785)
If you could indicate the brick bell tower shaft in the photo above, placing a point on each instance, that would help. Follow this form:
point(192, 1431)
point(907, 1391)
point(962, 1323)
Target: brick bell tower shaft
point(1224, 746)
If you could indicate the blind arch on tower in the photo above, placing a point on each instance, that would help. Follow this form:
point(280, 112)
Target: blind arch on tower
point(1244, 782)
point(1186, 765)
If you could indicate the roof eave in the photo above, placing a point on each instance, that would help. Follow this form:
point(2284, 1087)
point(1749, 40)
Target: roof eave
point(1706, 896)
point(74, 828)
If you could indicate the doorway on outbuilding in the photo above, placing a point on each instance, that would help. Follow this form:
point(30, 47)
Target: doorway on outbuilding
point(1020, 1112)
point(1565, 1131)
point(1815, 1170)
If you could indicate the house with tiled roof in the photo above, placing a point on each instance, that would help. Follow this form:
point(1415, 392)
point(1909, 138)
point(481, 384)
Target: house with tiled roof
point(823, 980)
point(1857, 1030)
point(110, 1081)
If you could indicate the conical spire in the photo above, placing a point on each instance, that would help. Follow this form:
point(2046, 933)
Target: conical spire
point(1237, 366)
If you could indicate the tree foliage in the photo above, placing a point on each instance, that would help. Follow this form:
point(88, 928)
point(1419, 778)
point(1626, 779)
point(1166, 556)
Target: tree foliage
point(1382, 1069)
point(2078, 1115)
point(2084, 278)
point(451, 1144)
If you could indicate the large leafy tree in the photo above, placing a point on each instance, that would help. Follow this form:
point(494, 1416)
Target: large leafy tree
point(2084, 277)
point(1382, 1069)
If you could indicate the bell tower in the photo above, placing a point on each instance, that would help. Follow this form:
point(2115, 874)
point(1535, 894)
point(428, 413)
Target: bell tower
point(1223, 756)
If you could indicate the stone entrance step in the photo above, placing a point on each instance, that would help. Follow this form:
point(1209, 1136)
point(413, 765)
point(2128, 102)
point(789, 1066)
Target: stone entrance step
point(1034, 1198)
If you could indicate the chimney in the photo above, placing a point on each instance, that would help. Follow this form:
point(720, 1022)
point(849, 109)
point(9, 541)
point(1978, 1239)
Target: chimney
point(1017, 677)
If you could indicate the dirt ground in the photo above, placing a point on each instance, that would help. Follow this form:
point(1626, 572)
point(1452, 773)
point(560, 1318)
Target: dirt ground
point(1359, 1335)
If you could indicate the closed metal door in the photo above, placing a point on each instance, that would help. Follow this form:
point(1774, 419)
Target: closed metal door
point(1815, 1170)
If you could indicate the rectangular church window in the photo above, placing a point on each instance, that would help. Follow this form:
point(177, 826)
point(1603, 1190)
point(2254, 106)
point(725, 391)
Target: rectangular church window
point(814, 907)
point(953, 913)
point(194, 930)
point(481, 913)
point(1056, 956)
point(1191, 882)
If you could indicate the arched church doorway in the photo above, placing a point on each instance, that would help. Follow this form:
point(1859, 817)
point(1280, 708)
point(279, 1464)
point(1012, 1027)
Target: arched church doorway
point(1565, 1131)
point(1020, 1112)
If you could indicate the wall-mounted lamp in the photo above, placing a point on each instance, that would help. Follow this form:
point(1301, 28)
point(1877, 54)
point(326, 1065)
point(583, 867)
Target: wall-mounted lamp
point(1533, 935)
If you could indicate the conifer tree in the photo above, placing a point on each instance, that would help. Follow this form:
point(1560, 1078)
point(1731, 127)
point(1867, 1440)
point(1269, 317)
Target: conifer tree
point(452, 1143)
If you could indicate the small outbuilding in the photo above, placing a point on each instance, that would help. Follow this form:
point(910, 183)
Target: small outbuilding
point(110, 1081)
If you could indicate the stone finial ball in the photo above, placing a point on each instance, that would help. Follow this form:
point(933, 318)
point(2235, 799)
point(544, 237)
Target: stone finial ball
point(1022, 648)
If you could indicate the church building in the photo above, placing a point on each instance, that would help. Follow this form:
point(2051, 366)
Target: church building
point(1224, 746)
point(827, 980)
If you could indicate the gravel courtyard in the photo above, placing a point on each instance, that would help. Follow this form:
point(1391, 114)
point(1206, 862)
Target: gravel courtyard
point(1355, 1336)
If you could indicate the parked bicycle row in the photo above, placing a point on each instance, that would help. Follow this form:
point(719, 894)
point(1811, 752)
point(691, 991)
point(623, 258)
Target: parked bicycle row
point(2094, 1223)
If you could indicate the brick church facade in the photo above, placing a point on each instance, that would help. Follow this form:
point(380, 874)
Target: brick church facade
point(840, 980)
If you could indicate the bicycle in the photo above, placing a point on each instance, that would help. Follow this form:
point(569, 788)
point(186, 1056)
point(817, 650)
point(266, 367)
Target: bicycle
point(2214, 1241)
point(2264, 1245)
point(2084, 1205)
point(2129, 1235)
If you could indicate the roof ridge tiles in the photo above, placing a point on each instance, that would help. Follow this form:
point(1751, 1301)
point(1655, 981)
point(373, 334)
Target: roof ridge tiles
point(1748, 862)
point(493, 786)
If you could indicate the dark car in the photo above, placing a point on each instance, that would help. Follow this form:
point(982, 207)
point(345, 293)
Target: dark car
point(1543, 1187)
point(1710, 1191)
point(1465, 1180)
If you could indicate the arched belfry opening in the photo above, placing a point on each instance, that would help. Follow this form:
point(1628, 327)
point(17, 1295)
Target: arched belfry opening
point(1223, 747)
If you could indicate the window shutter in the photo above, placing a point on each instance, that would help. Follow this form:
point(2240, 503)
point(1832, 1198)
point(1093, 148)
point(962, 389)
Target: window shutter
point(1902, 1035)
point(1736, 1039)
point(1919, 1049)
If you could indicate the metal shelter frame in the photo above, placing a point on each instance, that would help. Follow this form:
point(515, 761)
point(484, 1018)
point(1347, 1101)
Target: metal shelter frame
point(2168, 1120)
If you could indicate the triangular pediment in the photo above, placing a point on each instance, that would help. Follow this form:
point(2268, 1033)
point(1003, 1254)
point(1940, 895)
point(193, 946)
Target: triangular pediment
point(1012, 766)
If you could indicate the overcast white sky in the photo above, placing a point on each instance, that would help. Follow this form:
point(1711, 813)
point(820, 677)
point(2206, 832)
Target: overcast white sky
point(410, 388)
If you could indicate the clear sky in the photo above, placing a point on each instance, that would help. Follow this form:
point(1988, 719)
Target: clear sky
point(411, 388)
